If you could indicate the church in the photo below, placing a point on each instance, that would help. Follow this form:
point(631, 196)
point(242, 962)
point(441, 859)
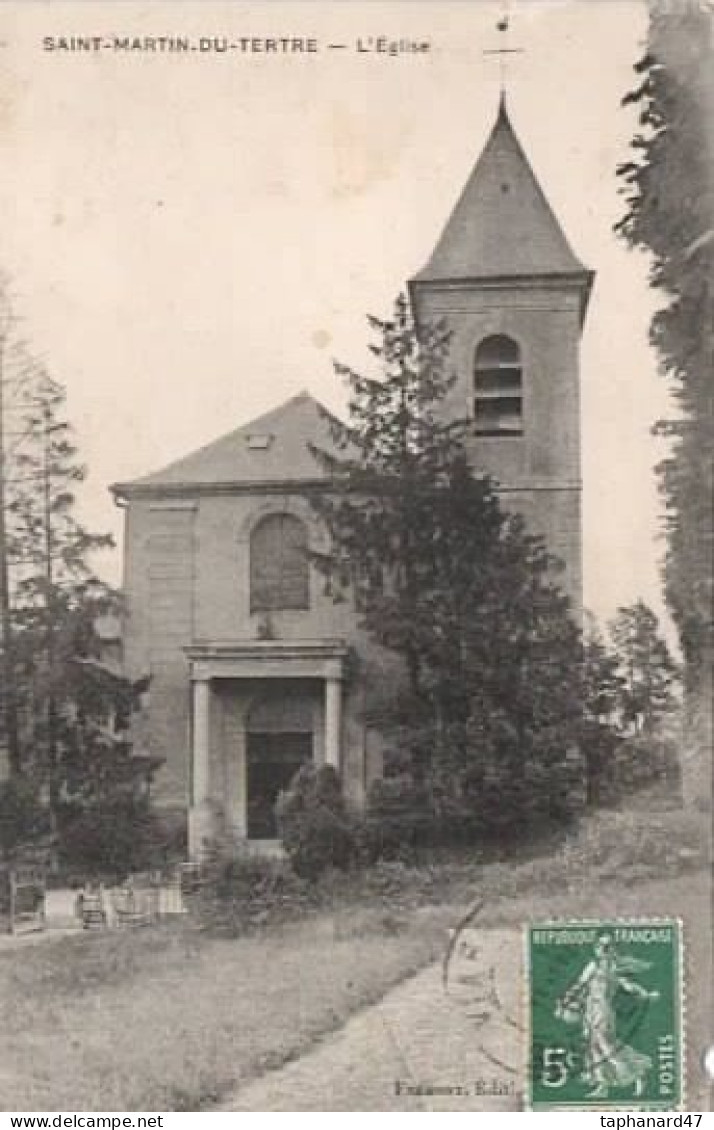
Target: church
point(254, 669)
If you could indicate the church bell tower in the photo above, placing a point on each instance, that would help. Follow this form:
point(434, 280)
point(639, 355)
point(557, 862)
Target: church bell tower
point(514, 296)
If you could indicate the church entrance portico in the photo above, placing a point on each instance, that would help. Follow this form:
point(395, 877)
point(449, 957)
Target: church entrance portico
point(259, 711)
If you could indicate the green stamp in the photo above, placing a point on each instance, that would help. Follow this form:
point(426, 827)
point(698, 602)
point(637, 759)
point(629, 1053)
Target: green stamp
point(605, 1015)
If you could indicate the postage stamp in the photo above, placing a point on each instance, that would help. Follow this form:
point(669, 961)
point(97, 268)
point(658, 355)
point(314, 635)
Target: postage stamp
point(604, 1013)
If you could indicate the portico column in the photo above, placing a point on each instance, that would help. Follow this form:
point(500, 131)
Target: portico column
point(333, 721)
point(198, 816)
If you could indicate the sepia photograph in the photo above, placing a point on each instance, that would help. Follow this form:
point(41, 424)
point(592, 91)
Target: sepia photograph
point(356, 557)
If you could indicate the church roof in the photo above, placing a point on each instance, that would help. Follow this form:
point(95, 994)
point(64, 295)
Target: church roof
point(273, 449)
point(502, 225)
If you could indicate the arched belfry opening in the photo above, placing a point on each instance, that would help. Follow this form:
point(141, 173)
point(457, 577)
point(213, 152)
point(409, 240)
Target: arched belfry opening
point(498, 387)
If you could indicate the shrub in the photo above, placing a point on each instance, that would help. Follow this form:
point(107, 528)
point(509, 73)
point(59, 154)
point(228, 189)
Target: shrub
point(116, 839)
point(247, 890)
point(479, 797)
point(23, 820)
point(643, 760)
point(398, 821)
point(314, 825)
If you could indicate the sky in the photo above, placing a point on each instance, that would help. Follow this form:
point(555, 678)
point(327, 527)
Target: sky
point(191, 238)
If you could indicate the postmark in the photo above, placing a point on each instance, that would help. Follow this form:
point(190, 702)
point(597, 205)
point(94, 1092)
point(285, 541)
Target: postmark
point(604, 1011)
point(482, 976)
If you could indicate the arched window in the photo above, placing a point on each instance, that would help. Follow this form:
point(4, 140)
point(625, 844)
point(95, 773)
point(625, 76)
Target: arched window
point(498, 387)
point(279, 566)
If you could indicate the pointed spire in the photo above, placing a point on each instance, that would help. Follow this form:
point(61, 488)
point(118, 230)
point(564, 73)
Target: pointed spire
point(502, 225)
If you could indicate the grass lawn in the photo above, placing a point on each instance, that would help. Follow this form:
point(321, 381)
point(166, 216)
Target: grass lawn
point(175, 1017)
point(168, 1019)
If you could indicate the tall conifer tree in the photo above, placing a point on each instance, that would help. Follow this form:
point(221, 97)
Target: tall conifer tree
point(490, 703)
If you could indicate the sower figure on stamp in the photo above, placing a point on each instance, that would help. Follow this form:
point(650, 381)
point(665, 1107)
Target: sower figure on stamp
point(590, 1000)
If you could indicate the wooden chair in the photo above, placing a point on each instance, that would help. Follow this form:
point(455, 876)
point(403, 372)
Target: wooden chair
point(92, 908)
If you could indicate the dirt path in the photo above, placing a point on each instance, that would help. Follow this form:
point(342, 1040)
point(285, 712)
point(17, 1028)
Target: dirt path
point(422, 1036)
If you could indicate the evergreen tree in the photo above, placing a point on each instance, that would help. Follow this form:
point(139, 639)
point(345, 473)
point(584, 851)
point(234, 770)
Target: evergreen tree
point(669, 196)
point(602, 689)
point(52, 583)
point(490, 705)
point(647, 671)
point(66, 719)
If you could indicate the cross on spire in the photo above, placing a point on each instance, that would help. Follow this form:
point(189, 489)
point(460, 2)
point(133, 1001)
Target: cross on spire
point(503, 51)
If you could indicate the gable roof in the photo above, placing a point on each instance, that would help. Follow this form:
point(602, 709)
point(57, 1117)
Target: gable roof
point(502, 224)
point(271, 449)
